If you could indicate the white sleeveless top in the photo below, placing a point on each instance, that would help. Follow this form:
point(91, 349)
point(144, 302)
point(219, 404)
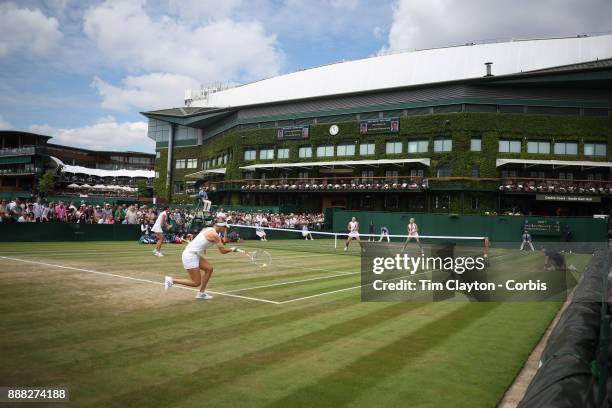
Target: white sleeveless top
point(157, 227)
point(412, 228)
point(354, 226)
point(199, 244)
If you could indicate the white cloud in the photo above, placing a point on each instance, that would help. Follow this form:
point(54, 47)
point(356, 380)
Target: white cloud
point(27, 29)
point(5, 124)
point(436, 23)
point(150, 91)
point(219, 50)
point(105, 134)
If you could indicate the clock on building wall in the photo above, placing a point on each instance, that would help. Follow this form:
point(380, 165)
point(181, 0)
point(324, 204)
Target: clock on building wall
point(333, 130)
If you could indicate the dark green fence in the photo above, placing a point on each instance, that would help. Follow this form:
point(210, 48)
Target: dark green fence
point(497, 228)
point(34, 232)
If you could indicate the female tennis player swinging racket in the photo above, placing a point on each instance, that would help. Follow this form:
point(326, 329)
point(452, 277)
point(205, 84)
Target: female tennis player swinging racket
point(194, 261)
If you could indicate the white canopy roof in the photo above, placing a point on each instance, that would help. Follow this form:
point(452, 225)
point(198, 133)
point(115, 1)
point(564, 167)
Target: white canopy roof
point(342, 163)
point(67, 168)
point(204, 173)
point(411, 68)
point(554, 163)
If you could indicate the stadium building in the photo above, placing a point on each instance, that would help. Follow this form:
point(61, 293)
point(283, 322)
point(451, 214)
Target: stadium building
point(25, 156)
point(519, 126)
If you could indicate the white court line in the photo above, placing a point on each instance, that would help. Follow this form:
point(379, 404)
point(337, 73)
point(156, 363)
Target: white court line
point(355, 287)
point(114, 275)
point(288, 283)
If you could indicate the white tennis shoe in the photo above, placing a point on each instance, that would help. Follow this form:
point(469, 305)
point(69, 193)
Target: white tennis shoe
point(168, 284)
point(203, 296)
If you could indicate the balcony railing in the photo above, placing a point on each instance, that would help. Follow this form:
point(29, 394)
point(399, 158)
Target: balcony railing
point(18, 172)
point(561, 186)
point(18, 151)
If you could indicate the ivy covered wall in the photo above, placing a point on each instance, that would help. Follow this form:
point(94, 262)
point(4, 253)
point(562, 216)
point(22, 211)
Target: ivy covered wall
point(461, 127)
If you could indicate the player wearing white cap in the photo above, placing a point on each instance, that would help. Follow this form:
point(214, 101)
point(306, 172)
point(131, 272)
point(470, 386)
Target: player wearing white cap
point(194, 261)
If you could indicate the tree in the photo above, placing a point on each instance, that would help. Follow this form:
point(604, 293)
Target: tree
point(143, 190)
point(47, 182)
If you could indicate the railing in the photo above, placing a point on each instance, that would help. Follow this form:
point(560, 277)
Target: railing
point(562, 186)
point(16, 172)
point(18, 151)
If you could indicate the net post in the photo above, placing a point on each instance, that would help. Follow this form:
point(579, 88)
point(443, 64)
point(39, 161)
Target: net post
point(335, 241)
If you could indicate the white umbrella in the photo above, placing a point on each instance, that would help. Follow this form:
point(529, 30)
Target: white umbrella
point(73, 185)
point(99, 186)
point(85, 186)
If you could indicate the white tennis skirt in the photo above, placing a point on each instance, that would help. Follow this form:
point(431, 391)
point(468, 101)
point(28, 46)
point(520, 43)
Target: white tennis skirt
point(353, 234)
point(190, 260)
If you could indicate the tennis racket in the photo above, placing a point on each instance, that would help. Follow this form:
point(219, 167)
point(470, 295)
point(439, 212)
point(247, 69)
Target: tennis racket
point(259, 257)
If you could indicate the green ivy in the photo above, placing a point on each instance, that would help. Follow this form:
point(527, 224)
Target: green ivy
point(461, 127)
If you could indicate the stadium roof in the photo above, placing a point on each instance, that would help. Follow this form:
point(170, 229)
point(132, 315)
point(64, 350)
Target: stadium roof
point(414, 68)
point(66, 168)
point(554, 163)
point(342, 163)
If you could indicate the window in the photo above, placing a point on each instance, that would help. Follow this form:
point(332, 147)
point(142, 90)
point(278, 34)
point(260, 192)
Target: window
point(391, 202)
point(475, 170)
point(346, 150)
point(180, 164)
point(566, 148)
point(367, 176)
point(596, 177)
point(508, 173)
point(443, 171)
point(566, 175)
point(303, 175)
point(325, 151)
point(157, 155)
point(192, 163)
point(442, 201)
point(366, 149)
point(283, 153)
point(509, 146)
point(596, 149)
point(266, 154)
point(157, 174)
point(476, 144)
point(418, 146)
point(394, 147)
point(474, 204)
point(443, 145)
point(250, 154)
point(538, 147)
point(535, 174)
point(179, 187)
point(416, 173)
point(304, 152)
point(391, 175)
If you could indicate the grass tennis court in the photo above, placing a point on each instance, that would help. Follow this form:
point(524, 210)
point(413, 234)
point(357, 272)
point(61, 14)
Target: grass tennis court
point(93, 316)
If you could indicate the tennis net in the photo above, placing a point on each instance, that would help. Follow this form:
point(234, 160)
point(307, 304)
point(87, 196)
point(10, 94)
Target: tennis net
point(335, 242)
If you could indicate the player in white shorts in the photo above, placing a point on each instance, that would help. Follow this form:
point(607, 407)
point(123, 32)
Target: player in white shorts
point(353, 228)
point(158, 228)
point(194, 261)
point(413, 232)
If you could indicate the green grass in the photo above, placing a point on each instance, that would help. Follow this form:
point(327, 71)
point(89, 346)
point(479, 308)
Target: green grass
point(121, 343)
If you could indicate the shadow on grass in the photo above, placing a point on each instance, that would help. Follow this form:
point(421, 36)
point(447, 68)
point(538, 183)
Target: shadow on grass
point(346, 384)
point(230, 371)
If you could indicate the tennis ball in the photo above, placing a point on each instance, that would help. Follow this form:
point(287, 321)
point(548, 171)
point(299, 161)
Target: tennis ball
point(264, 265)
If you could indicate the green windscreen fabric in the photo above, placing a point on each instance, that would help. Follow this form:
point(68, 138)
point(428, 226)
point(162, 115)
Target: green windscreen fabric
point(15, 159)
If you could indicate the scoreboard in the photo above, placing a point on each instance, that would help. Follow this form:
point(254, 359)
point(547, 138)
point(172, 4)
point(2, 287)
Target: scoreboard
point(542, 227)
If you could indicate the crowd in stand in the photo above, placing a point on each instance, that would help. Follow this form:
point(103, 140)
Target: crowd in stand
point(37, 210)
point(313, 221)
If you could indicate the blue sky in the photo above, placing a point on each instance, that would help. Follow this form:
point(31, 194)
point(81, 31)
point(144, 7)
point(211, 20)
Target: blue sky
point(82, 71)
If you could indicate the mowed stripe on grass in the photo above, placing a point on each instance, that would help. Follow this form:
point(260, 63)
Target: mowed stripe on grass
point(125, 344)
